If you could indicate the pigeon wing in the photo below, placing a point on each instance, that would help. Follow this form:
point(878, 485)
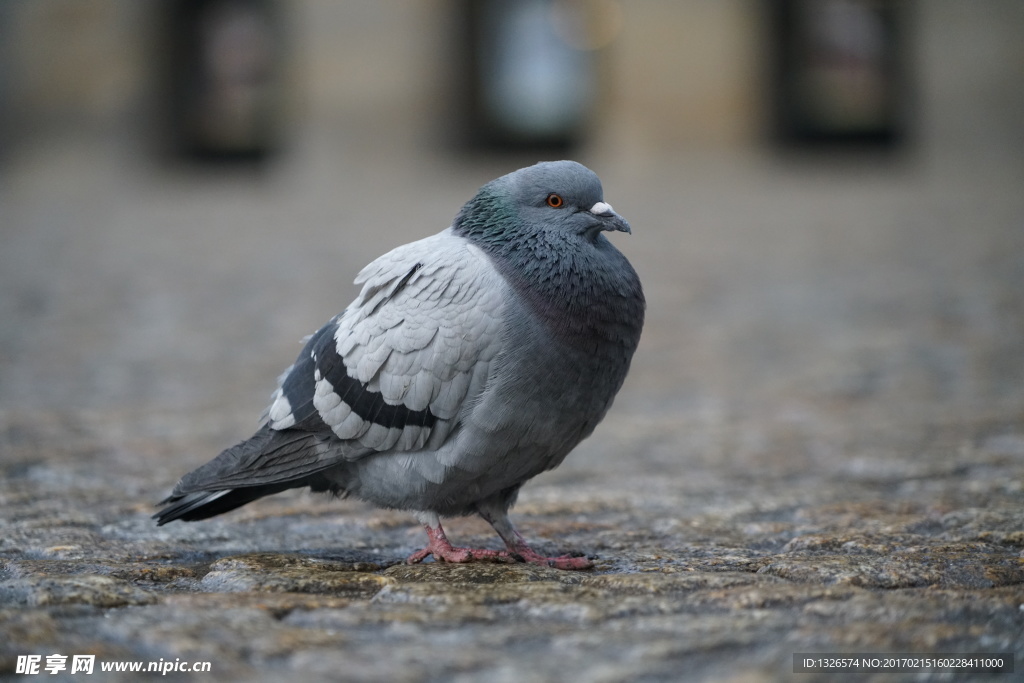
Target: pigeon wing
point(394, 370)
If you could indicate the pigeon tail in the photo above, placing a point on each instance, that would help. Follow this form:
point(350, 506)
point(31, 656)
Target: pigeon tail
point(206, 504)
point(192, 507)
point(270, 462)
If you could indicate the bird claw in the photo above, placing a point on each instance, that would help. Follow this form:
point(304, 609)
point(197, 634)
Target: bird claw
point(459, 555)
point(572, 561)
point(443, 551)
point(565, 562)
point(441, 548)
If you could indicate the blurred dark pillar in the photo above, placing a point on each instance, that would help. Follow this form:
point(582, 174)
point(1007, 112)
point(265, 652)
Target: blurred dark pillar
point(7, 67)
point(840, 73)
point(223, 79)
point(528, 75)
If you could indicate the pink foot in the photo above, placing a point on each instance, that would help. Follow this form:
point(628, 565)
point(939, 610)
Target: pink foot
point(444, 551)
point(518, 551)
point(525, 553)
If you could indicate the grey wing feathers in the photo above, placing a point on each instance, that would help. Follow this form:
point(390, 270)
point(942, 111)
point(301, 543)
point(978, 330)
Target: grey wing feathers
point(393, 370)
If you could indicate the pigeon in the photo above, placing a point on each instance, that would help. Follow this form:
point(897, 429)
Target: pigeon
point(470, 362)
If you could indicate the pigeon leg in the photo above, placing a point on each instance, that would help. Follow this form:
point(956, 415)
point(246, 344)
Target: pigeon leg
point(497, 517)
point(443, 551)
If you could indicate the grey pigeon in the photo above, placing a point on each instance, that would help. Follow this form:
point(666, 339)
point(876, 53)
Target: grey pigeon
point(470, 362)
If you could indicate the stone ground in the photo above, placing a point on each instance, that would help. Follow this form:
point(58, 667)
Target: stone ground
point(820, 446)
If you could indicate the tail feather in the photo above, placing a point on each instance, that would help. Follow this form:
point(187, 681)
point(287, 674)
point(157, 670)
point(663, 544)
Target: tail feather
point(196, 506)
point(268, 457)
point(270, 462)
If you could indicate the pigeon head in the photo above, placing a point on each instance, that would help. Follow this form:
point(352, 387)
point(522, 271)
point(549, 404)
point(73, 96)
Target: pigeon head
point(563, 199)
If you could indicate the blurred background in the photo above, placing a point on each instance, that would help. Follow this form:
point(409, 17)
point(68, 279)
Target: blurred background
point(634, 75)
point(826, 194)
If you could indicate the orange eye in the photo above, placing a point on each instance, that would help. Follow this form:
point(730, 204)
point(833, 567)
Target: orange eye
point(555, 201)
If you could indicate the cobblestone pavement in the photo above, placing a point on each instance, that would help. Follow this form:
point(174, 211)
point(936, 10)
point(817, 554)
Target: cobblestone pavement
point(820, 446)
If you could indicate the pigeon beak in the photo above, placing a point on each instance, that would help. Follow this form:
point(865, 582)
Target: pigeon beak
point(617, 222)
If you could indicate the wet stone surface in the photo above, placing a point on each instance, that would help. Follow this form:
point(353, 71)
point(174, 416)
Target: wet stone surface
point(820, 446)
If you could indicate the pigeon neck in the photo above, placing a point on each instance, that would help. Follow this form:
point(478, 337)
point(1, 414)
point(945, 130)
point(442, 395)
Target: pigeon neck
point(579, 288)
point(487, 221)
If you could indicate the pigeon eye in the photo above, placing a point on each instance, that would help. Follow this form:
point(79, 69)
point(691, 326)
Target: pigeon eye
point(555, 201)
